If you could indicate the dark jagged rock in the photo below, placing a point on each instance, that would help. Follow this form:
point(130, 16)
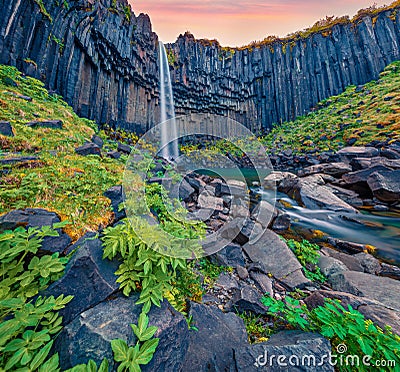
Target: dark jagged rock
point(247, 299)
point(385, 185)
point(211, 348)
point(231, 255)
point(88, 277)
point(32, 217)
point(6, 129)
point(106, 66)
point(274, 257)
point(89, 335)
point(52, 124)
point(115, 194)
point(88, 148)
point(125, 149)
point(18, 160)
point(98, 141)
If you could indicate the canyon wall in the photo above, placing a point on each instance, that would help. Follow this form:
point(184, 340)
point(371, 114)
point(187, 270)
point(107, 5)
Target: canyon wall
point(103, 60)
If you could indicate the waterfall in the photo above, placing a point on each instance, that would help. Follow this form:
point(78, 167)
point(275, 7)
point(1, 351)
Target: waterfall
point(169, 143)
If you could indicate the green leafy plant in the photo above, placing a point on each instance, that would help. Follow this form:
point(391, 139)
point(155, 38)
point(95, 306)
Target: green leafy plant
point(27, 325)
point(43, 10)
point(131, 357)
point(90, 366)
point(340, 326)
point(307, 254)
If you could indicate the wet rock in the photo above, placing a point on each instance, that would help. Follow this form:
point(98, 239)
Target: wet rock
point(88, 148)
point(332, 169)
point(247, 299)
point(348, 196)
point(369, 263)
point(212, 347)
point(98, 141)
point(235, 188)
point(288, 343)
point(385, 185)
point(348, 247)
point(116, 196)
point(273, 180)
point(275, 257)
point(357, 181)
point(52, 124)
point(311, 192)
point(231, 255)
point(330, 266)
point(125, 149)
point(88, 336)
point(6, 129)
point(281, 223)
point(367, 285)
point(389, 271)
point(88, 277)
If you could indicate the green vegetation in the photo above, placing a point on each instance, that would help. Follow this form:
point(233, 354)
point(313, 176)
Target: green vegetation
point(257, 330)
point(59, 180)
point(340, 326)
point(27, 325)
point(307, 254)
point(59, 42)
point(171, 57)
point(128, 13)
point(130, 358)
point(371, 113)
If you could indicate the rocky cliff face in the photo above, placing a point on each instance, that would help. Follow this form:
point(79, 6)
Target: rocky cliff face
point(277, 82)
point(104, 62)
point(96, 54)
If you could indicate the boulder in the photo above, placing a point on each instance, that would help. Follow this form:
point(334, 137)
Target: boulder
point(332, 169)
point(88, 277)
point(226, 282)
point(349, 261)
point(274, 179)
point(385, 185)
point(285, 351)
point(185, 191)
point(125, 149)
point(368, 262)
point(53, 124)
point(281, 223)
point(97, 140)
point(274, 257)
point(348, 196)
point(232, 187)
point(88, 336)
point(212, 347)
point(330, 266)
point(311, 193)
point(88, 148)
point(34, 217)
point(364, 163)
point(263, 281)
point(384, 290)
point(390, 271)
point(348, 247)
point(264, 213)
point(348, 153)
point(231, 255)
point(247, 299)
point(210, 202)
point(116, 196)
point(6, 129)
point(357, 181)
point(21, 160)
point(113, 154)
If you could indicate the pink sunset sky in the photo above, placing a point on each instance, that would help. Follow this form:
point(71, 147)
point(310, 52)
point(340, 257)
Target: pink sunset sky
point(238, 22)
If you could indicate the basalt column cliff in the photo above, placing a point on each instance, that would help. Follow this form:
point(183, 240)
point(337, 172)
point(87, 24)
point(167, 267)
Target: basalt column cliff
point(103, 60)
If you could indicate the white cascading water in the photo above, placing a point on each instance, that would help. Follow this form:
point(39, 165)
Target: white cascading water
point(169, 143)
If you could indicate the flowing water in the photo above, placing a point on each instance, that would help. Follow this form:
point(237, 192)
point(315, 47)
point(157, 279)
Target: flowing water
point(169, 143)
point(379, 229)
